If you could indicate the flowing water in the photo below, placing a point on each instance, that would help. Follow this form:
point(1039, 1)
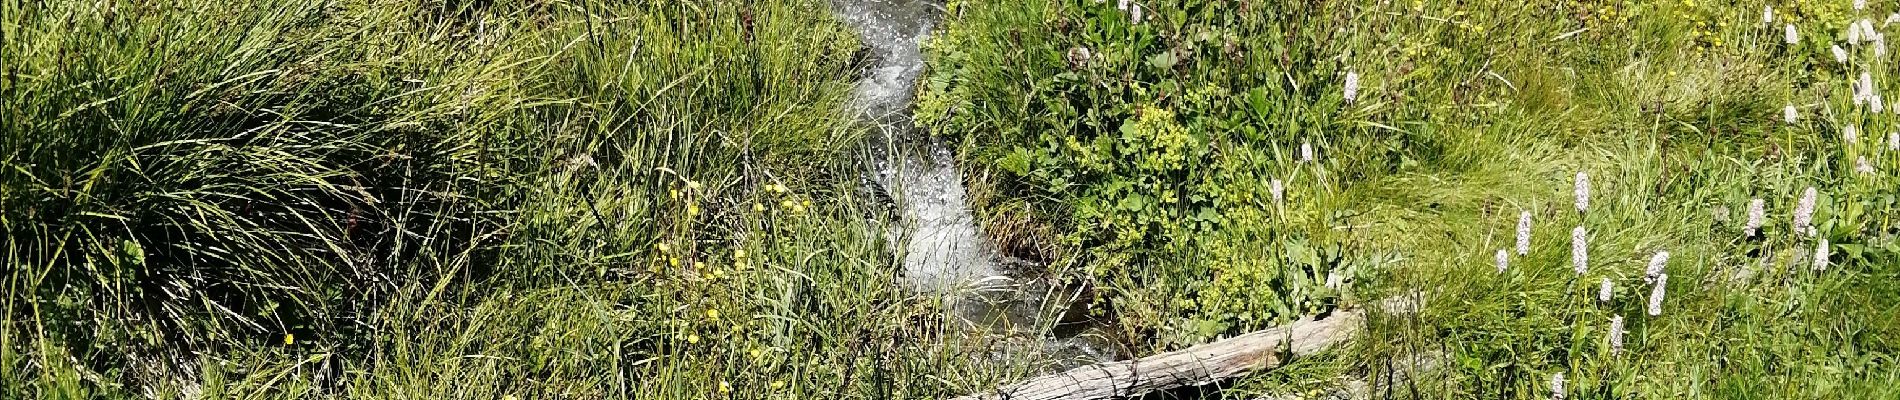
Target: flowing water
point(943, 248)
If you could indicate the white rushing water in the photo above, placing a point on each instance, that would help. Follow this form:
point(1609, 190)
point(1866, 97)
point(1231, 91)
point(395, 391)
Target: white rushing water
point(944, 250)
point(943, 247)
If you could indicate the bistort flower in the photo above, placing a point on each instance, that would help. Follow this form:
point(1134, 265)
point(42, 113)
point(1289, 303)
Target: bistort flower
point(1804, 210)
point(1579, 251)
point(1756, 213)
point(1656, 265)
point(1523, 233)
point(1656, 295)
point(1352, 87)
point(1583, 191)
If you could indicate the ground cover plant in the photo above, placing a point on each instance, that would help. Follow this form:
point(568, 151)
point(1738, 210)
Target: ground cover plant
point(663, 199)
point(1724, 146)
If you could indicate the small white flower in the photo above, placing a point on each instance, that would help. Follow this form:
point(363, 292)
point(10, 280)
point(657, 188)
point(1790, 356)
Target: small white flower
point(1524, 233)
point(1583, 191)
point(1768, 15)
point(1278, 189)
point(1504, 260)
point(1557, 386)
point(1756, 213)
point(1604, 291)
point(1860, 4)
point(1875, 103)
point(1840, 54)
point(1579, 250)
point(1334, 280)
point(1880, 45)
point(1306, 151)
point(1853, 34)
point(1849, 134)
point(1656, 295)
point(1790, 36)
point(1616, 335)
point(1821, 253)
point(1789, 114)
point(1867, 32)
point(1804, 210)
point(1893, 140)
point(1134, 13)
point(1656, 265)
point(1122, 5)
point(1352, 86)
point(1863, 167)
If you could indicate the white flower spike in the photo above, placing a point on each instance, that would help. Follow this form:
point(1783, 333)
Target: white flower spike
point(1352, 87)
point(1756, 213)
point(1804, 210)
point(1583, 191)
point(1616, 335)
point(1523, 233)
point(1821, 253)
point(1579, 251)
point(1656, 295)
point(1657, 263)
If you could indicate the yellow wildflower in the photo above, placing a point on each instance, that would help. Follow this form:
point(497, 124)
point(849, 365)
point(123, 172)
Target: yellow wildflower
point(289, 339)
point(778, 384)
point(725, 387)
point(712, 314)
point(692, 338)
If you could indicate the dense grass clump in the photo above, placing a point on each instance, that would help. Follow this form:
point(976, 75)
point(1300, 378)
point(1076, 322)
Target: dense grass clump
point(445, 200)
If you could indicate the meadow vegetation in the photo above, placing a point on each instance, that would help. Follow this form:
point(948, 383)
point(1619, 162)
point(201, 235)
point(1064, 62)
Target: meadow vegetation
point(1148, 144)
point(517, 199)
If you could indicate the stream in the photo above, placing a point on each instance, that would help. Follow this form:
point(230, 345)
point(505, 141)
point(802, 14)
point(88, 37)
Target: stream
point(943, 248)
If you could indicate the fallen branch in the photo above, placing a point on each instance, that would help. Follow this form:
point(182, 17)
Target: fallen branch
point(1194, 366)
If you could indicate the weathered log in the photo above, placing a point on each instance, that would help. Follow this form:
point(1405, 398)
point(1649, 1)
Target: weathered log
point(1194, 366)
